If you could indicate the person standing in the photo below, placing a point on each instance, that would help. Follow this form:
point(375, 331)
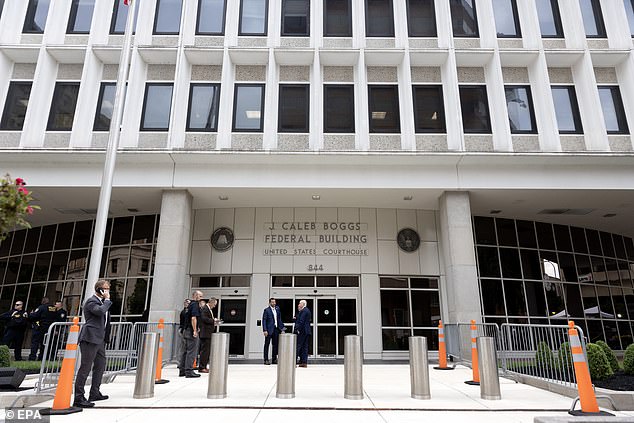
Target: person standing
point(93, 336)
point(207, 327)
point(272, 326)
point(303, 331)
point(42, 318)
point(57, 343)
point(17, 322)
point(61, 314)
point(190, 337)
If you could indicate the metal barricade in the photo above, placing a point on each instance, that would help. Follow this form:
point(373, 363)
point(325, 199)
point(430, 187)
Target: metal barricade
point(458, 339)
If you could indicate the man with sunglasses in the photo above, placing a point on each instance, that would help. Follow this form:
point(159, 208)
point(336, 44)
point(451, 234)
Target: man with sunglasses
point(17, 321)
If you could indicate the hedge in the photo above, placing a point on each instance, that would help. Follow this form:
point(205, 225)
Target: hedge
point(628, 362)
point(598, 362)
point(614, 364)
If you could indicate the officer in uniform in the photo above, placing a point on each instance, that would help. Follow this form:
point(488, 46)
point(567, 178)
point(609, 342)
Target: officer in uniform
point(41, 319)
point(17, 322)
point(61, 313)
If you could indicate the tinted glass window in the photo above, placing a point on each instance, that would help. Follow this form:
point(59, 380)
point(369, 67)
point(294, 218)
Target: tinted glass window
point(379, 18)
point(80, 16)
point(105, 106)
point(168, 16)
point(203, 107)
point(211, 17)
point(549, 18)
point(337, 18)
point(293, 110)
point(295, 17)
point(592, 18)
point(157, 107)
point(120, 17)
point(429, 111)
point(567, 110)
point(463, 18)
point(520, 109)
point(613, 112)
point(384, 113)
point(475, 109)
point(15, 106)
point(506, 20)
point(421, 18)
point(339, 108)
point(63, 106)
point(36, 15)
point(248, 108)
point(253, 17)
point(629, 11)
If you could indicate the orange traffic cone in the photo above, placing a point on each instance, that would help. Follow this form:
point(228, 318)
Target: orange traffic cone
point(64, 391)
point(442, 349)
point(474, 356)
point(589, 406)
point(159, 359)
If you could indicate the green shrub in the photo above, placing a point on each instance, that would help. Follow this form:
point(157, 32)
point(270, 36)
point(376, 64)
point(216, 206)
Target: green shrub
point(544, 355)
point(614, 364)
point(598, 362)
point(628, 361)
point(565, 356)
point(5, 356)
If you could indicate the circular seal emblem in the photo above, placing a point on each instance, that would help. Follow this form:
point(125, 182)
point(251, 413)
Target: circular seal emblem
point(222, 239)
point(408, 240)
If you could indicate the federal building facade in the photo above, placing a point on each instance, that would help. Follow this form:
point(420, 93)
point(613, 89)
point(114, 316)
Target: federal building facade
point(393, 162)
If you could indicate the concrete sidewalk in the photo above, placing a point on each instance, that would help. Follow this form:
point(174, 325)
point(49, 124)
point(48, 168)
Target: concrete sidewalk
point(319, 398)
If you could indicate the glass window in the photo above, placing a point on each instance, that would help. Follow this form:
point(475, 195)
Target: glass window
point(629, 11)
point(429, 111)
point(36, 15)
point(337, 18)
point(567, 110)
point(80, 17)
point(613, 111)
point(211, 17)
point(463, 18)
point(253, 17)
point(248, 108)
point(1, 7)
point(168, 17)
point(105, 106)
point(488, 262)
point(492, 297)
point(16, 105)
point(157, 107)
point(379, 18)
point(63, 106)
point(394, 308)
point(293, 108)
point(295, 17)
point(383, 105)
point(514, 294)
point(338, 108)
point(475, 109)
point(203, 107)
point(549, 18)
point(120, 17)
point(519, 104)
point(484, 230)
point(421, 18)
point(507, 22)
point(506, 232)
point(592, 18)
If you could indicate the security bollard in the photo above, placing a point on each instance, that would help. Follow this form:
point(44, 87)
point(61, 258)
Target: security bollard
point(219, 366)
point(419, 367)
point(286, 366)
point(488, 366)
point(146, 366)
point(353, 367)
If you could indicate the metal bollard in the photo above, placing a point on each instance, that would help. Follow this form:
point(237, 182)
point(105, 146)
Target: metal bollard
point(218, 366)
point(146, 366)
point(353, 367)
point(489, 380)
point(286, 366)
point(419, 367)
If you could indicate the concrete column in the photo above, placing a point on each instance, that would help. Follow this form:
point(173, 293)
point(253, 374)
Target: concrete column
point(258, 300)
point(171, 267)
point(461, 278)
point(370, 324)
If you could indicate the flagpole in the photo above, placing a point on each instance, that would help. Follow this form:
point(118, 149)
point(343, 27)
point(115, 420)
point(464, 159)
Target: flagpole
point(111, 153)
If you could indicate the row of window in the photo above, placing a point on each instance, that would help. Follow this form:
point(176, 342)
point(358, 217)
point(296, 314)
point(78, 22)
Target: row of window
point(379, 17)
point(339, 108)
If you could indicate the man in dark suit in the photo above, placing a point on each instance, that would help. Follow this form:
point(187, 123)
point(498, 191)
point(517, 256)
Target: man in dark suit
point(303, 331)
point(207, 327)
point(93, 337)
point(272, 326)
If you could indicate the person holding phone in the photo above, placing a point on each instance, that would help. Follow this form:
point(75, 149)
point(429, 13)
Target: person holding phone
point(93, 337)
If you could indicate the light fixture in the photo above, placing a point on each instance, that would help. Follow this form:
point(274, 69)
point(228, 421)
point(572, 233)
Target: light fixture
point(619, 315)
point(408, 198)
point(223, 197)
point(379, 115)
point(253, 114)
point(609, 215)
point(316, 197)
point(495, 211)
point(133, 210)
point(434, 116)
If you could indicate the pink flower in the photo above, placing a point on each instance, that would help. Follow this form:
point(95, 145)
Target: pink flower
point(29, 210)
point(23, 190)
point(20, 181)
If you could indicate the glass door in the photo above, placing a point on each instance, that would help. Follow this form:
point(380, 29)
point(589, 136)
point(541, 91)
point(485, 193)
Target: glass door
point(232, 312)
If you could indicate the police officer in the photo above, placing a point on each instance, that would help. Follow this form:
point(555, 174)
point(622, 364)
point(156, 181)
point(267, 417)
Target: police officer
point(41, 319)
point(16, 326)
point(61, 313)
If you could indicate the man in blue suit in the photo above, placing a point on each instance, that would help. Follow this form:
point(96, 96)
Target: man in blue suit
point(303, 331)
point(272, 326)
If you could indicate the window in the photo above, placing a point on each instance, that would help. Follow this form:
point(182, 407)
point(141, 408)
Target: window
point(203, 107)
point(475, 109)
point(567, 110)
point(592, 18)
point(36, 14)
point(295, 17)
point(80, 16)
point(519, 104)
point(429, 112)
point(507, 23)
point(293, 108)
point(421, 18)
point(15, 107)
point(629, 11)
point(463, 18)
point(63, 106)
point(248, 108)
point(383, 105)
point(1, 7)
point(253, 17)
point(167, 20)
point(613, 112)
point(211, 17)
point(337, 18)
point(339, 108)
point(549, 18)
point(105, 106)
point(379, 18)
point(120, 17)
point(157, 107)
